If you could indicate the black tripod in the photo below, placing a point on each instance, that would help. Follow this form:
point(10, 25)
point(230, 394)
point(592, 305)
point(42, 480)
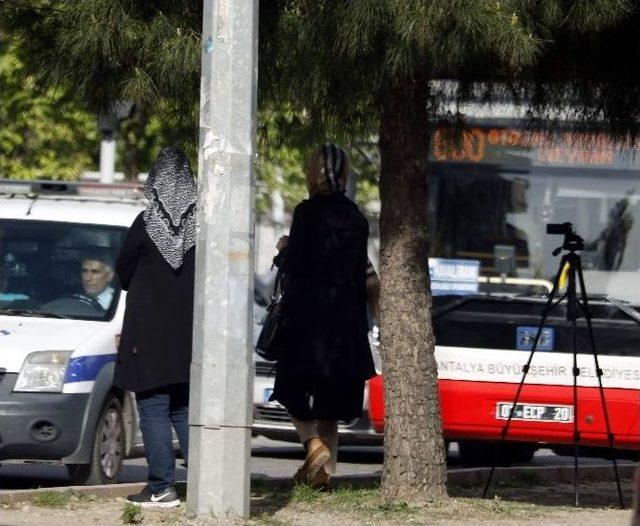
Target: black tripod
point(572, 244)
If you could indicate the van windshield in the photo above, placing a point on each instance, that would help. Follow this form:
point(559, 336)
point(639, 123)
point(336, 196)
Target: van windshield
point(60, 270)
point(493, 190)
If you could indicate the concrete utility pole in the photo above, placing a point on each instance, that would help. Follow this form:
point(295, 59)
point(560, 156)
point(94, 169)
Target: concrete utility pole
point(220, 412)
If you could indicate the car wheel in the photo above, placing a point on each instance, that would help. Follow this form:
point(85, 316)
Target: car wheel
point(108, 449)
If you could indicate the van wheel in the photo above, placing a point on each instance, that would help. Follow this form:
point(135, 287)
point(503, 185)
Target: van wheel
point(108, 449)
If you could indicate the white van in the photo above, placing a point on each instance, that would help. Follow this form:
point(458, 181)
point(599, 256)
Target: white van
point(57, 342)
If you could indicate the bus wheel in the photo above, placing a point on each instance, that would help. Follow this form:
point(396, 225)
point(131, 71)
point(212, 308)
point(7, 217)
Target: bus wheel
point(520, 453)
point(479, 453)
point(108, 449)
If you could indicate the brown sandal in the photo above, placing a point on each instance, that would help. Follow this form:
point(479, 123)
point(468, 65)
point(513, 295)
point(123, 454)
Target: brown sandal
point(321, 481)
point(317, 456)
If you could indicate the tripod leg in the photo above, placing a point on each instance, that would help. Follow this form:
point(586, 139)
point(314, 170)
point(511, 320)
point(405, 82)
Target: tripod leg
point(572, 314)
point(525, 371)
point(605, 412)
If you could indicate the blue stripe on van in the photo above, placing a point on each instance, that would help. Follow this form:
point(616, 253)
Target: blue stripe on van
point(86, 368)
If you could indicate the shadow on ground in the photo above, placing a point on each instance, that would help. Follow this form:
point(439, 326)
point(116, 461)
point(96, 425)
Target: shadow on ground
point(270, 496)
point(525, 488)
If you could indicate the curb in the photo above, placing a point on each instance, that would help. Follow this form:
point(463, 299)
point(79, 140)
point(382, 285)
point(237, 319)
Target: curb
point(107, 491)
point(457, 477)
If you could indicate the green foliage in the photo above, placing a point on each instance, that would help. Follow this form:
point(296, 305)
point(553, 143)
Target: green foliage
point(305, 494)
point(282, 156)
point(43, 133)
point(347, 56)
point(350, 54)
point(148, 52)
point(141, 138)
point(52, 499)
point(132, 514)
point(107, 50)
point(365, 166)
point(280, 169)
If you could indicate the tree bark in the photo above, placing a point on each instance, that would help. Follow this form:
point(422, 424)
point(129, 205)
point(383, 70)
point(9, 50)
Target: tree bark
point(414, 458)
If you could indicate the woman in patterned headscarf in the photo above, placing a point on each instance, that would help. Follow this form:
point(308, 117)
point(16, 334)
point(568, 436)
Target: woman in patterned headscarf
point(320, 379)
point(156, 266)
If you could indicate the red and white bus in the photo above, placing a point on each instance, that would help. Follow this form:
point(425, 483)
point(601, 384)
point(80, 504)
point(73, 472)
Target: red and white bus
point(493, 187)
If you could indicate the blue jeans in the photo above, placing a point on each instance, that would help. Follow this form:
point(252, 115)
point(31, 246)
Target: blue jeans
point(158, 410)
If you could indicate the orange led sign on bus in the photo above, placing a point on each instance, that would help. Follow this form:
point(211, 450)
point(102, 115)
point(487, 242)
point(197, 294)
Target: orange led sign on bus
point(474, 145)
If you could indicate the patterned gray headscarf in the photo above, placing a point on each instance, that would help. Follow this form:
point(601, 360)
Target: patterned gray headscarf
point(170, 217)
point(329, 170)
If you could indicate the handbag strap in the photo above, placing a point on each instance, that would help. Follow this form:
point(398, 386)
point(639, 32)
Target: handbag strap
point(278, 285)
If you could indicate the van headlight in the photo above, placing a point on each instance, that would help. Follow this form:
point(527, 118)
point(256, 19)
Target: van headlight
point(43, 372)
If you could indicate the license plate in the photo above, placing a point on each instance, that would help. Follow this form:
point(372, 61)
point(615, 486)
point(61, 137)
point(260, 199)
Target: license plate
point(267, 394)
point(535, 412)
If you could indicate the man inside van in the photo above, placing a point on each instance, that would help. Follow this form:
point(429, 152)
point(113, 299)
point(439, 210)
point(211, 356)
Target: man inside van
point(97, 275)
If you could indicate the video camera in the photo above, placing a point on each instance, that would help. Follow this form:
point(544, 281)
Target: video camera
point(572, 241)
point(562, 229)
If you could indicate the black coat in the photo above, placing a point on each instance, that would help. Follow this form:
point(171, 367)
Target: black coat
point(328, 357)
point(155, 347)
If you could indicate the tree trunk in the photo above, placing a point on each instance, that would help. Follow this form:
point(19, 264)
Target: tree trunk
point(414, 457)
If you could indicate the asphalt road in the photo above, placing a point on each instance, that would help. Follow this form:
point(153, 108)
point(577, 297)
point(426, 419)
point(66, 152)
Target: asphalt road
point(269, 458)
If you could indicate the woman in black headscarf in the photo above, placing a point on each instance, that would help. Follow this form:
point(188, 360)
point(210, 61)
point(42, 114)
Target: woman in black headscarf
point(156, 266)
point(321, 377)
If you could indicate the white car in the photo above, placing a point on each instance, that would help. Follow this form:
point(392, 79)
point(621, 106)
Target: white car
point(58, 343)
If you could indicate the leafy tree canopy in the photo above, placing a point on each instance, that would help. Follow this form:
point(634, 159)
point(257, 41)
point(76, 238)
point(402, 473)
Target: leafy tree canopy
point(43, 133)
point(148, 52)
point(545, 54)
point(103, 51)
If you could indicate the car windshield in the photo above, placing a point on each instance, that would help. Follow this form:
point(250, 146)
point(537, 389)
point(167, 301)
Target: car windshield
point(59, 270)
point(493, 190)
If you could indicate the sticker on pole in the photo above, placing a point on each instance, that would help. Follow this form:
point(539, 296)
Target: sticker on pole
point(454, 276)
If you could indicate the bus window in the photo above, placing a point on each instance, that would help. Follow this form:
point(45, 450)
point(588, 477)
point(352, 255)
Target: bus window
point(491, 198)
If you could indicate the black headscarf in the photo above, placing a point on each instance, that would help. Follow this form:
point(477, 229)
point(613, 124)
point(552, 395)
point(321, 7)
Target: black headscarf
point(170, 217)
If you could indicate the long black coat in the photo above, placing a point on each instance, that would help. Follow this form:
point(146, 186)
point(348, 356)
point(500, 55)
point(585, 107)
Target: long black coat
point(328, 357)
point(155, 347)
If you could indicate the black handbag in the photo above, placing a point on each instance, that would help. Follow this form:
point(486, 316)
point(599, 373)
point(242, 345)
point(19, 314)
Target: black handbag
point(272, 340)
